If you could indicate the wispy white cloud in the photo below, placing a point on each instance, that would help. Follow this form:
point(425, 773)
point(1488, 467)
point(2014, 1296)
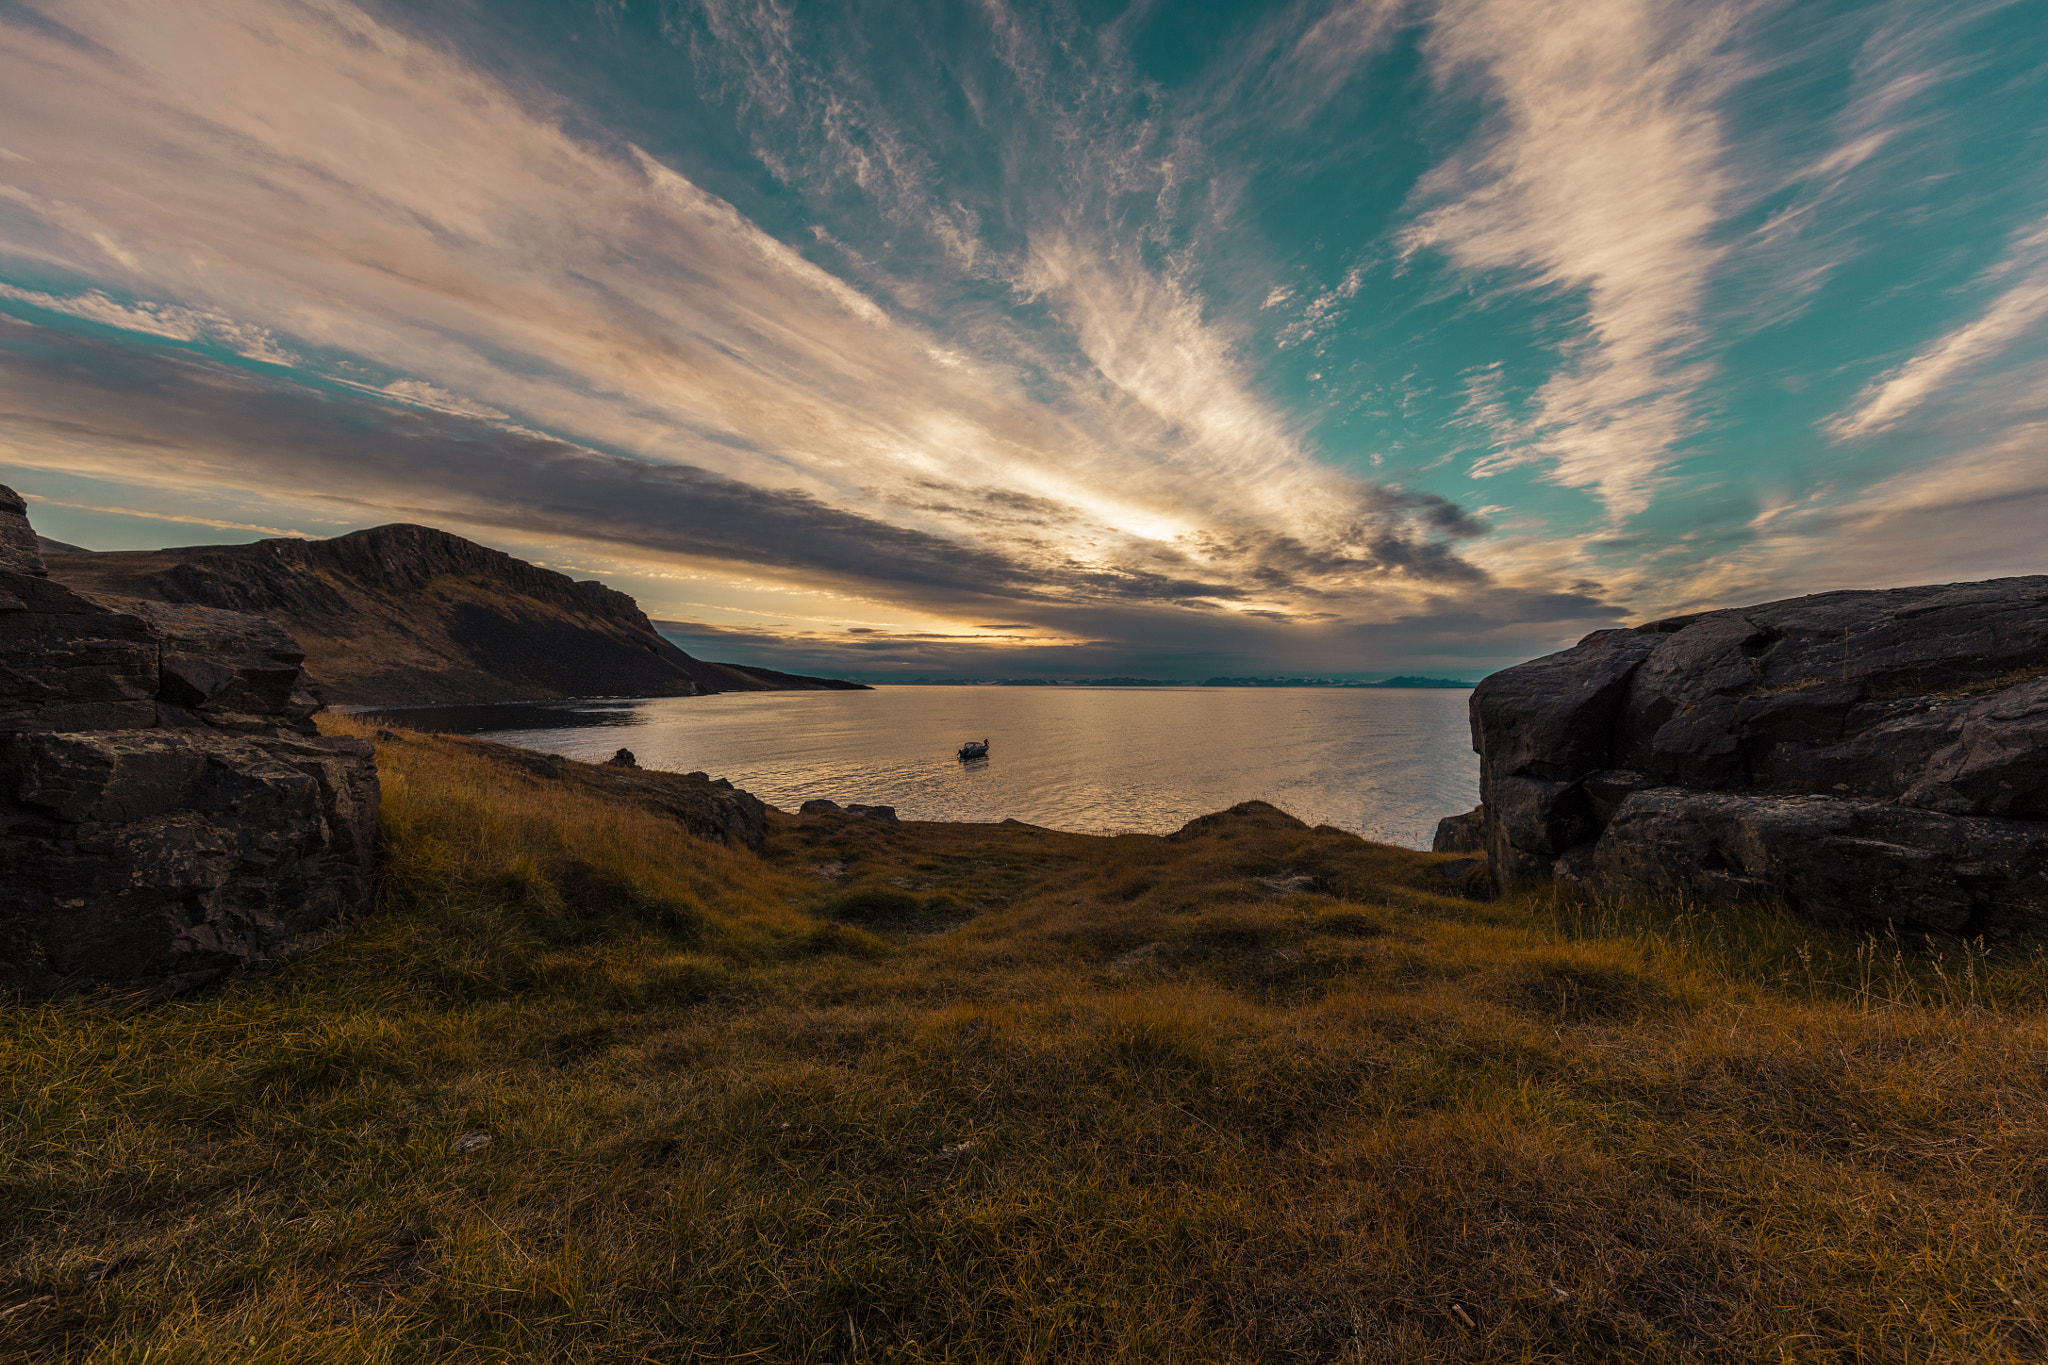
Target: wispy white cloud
point(1603, 175)
point(1017, 347)
point(166, 320)
point(1974, 513)
point(1296, 62)
point(1322, 312)
point(440, 400)
point(2019, 312)
point(325, 190)
point(1328, 51)
point(721, 220)
point(1896, 126)
point(176, 518)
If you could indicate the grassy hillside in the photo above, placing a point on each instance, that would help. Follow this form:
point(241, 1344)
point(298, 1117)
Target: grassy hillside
point(993, 1093)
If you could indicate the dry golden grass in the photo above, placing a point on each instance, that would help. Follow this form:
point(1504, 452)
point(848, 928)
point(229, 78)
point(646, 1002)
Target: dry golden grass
point(990, 1093)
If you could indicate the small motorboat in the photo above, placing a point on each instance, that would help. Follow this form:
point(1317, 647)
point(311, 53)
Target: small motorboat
point(974, 748)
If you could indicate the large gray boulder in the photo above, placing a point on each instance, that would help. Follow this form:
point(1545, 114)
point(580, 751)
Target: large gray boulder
point(1868, 757)
point(167, 809)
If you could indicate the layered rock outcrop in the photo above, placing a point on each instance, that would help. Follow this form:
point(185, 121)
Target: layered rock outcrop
point(167, 809)
point(1865, 757)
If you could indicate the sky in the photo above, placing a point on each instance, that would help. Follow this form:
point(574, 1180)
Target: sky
point(1323, 337)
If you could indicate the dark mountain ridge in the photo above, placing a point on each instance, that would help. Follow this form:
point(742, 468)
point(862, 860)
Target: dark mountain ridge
point(407, 615)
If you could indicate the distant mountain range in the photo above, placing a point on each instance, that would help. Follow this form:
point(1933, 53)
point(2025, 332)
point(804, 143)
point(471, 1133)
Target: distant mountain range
point(407, 616)
point(1403, 681)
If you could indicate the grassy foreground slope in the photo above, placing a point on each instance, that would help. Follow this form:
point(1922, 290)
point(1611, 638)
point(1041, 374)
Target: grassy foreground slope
point(994, 1093)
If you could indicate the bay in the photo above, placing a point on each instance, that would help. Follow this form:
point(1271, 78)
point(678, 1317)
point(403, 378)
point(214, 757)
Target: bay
point(1386, 763)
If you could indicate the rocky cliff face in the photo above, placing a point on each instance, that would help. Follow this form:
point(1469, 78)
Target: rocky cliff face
point(1867, 757)
point(167, 809)
point(408, 615)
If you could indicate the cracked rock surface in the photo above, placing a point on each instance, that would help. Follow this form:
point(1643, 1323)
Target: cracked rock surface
point(1866, 757)
point(167, 809)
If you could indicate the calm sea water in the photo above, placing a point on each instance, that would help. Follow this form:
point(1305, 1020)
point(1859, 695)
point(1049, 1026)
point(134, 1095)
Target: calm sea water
point(1387, 764)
